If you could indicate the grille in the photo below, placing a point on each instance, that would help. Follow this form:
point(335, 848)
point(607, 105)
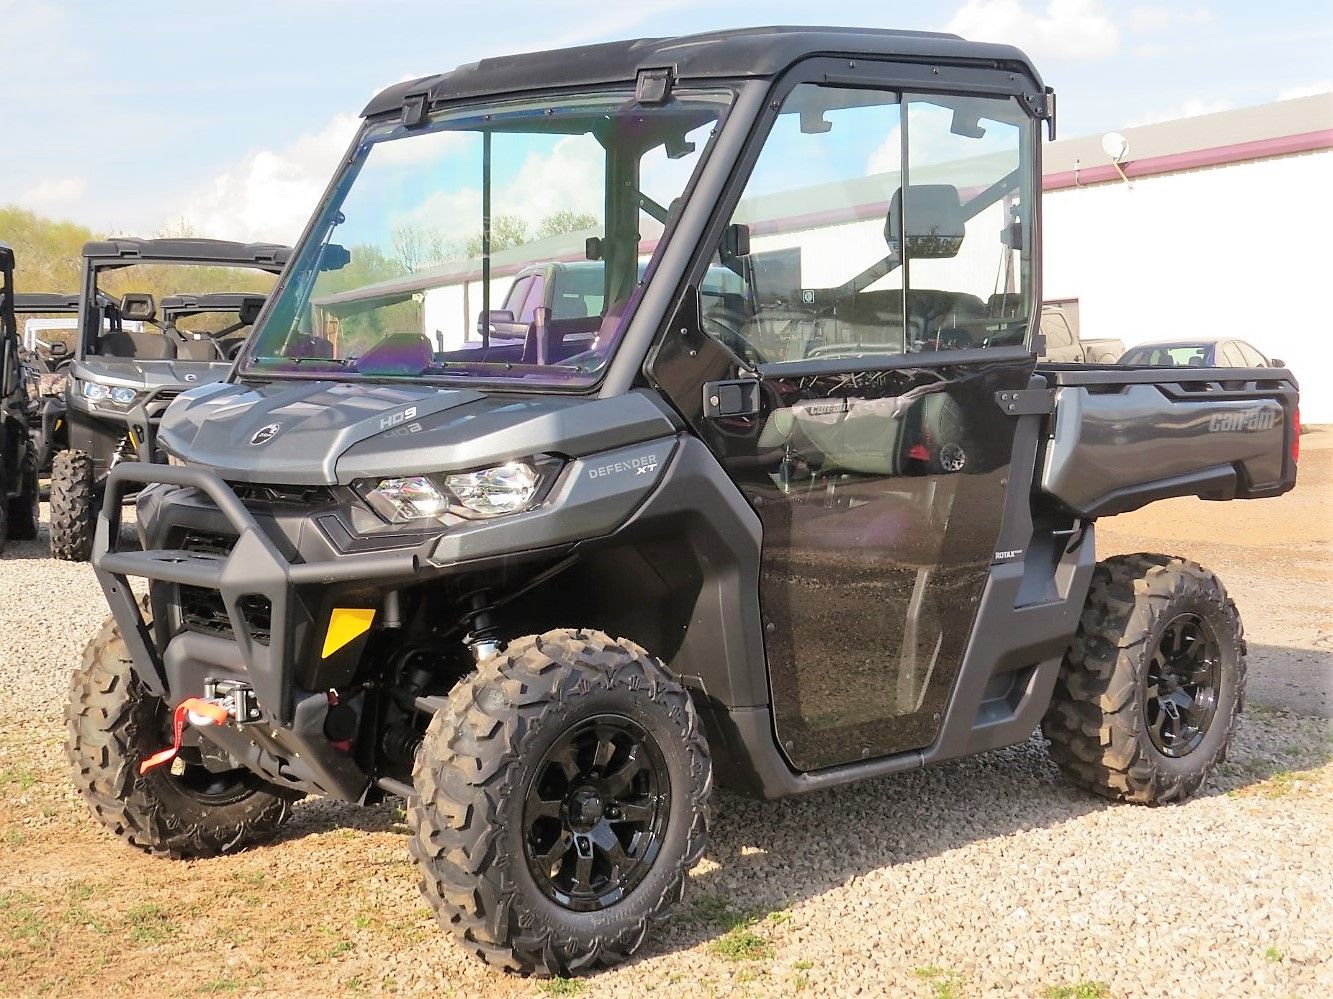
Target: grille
point(202, 610)
point(279, 495)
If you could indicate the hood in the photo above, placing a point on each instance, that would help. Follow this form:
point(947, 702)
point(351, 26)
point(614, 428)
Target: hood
point(150, 374)
point(324, 433)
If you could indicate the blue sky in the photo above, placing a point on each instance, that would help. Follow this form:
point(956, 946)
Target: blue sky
point(127, 116)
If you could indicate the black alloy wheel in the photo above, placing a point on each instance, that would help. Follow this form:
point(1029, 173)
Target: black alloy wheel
point(1180, 697)
point(595, 813)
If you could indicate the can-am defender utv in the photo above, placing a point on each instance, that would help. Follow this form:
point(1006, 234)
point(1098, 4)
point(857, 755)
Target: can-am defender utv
point(19, 498)
point(130, 362)
point(48, 326)
point(831, 525)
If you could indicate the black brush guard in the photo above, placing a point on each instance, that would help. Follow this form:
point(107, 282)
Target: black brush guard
point(254, 568)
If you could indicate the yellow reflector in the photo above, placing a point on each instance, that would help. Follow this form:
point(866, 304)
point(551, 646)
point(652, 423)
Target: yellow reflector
point(345, 625)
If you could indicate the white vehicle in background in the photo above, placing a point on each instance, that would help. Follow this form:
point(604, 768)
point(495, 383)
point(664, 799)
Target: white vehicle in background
point(1063, 345)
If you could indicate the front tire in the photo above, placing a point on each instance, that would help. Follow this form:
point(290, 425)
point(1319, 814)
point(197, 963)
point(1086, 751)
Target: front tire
point(562, 796)
point(184, 810)
point(73, 505)
point(1150, 692)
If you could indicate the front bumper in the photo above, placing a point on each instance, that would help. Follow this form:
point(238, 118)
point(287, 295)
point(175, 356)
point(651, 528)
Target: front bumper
point(287, 742)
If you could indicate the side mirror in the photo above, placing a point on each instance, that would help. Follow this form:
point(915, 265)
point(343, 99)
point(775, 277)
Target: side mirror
point(487, 321)
point(1277, 362)
point(334, 257)
point(935, 221)
point(736, 240)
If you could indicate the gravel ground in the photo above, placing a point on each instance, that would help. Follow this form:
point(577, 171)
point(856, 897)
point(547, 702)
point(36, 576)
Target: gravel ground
point(985, 877)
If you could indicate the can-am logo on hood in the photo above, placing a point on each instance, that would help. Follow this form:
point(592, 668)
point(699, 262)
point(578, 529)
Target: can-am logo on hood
point(265, 433)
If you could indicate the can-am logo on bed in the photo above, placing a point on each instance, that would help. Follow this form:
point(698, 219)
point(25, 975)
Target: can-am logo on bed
point(1243, 419)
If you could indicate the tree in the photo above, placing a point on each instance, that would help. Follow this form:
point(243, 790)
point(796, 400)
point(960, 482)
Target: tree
point(506, 231)
point(419, 246)
point(566, 220)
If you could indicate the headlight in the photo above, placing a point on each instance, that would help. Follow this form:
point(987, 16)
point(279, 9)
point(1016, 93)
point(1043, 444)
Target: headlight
point(492, 492)
point(488, 492)
point(121, 397)
point(402, 500)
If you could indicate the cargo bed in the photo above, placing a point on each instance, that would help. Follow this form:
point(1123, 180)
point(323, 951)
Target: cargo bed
point(1123, 436)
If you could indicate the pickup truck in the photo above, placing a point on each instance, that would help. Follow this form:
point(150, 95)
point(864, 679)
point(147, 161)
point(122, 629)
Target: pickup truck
point(1063, 344)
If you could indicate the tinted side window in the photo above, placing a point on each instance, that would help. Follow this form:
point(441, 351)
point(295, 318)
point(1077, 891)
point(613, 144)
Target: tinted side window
point(536, 294)
point(518, 294)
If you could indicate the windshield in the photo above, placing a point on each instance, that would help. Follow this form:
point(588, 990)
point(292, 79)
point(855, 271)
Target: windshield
point(141, 315)
point(499, 243)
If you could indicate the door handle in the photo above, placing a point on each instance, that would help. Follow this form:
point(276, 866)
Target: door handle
point(739, 397)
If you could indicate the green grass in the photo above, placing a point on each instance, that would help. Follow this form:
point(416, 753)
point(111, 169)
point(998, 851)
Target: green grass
point(944, 984)
point(23, 920)
point(564, 986)
point(740, 943)
point(1079, 990)
point(149, 923)
point(1273, 954)
point(222, 984)
point(25, 779)
point(803, 965)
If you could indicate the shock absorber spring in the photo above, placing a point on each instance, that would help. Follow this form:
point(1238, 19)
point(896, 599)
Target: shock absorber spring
point(482, 638)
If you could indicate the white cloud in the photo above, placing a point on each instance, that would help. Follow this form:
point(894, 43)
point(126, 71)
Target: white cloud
point(269, 194)
point(1306, 90)
point(1065, 29)
point(1155, 18)
point(1192, 108)
point(54, 194)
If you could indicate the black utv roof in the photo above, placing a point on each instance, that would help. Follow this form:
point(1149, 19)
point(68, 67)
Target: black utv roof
point(744, 52)
point(46, 301)
point(222, 301)
point(265, 256)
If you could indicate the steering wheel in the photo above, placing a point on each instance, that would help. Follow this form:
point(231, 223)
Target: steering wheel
point(725, 327)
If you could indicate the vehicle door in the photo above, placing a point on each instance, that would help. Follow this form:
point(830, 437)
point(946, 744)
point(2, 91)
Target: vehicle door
point(865, 427)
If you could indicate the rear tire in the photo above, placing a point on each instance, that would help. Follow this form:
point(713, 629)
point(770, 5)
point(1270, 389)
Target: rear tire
point(112, 723)
point(73, 501)
point(1150, 692)
point(24, 509)
point(515, 790)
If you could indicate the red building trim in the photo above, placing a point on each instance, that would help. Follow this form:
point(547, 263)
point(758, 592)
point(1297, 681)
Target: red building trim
point(1239, 152)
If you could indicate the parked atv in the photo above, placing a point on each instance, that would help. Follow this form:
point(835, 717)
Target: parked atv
point(830, 522)
point(19, 497)
point(129, 362)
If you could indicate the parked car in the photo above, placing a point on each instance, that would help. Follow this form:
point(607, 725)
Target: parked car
point(1204, 352)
